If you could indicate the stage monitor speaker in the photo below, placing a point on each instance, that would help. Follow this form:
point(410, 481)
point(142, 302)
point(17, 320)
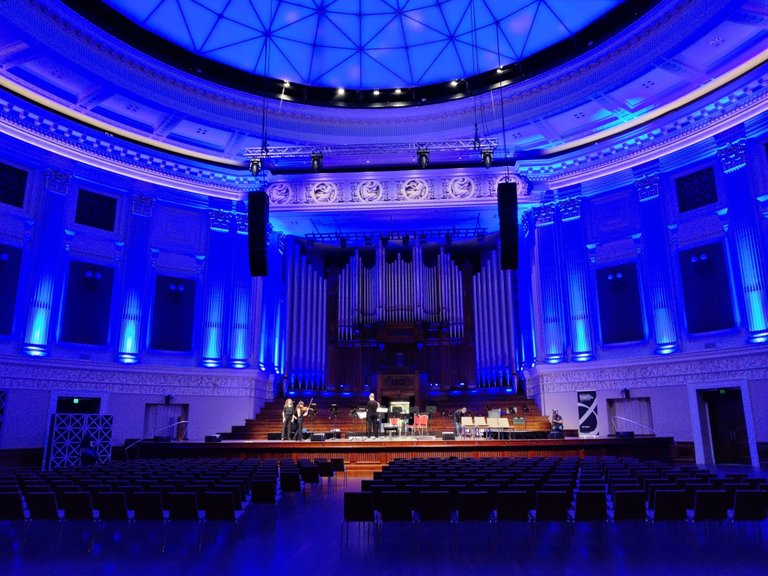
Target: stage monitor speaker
point(506, 194)
point(449, 436)
point(318, 437)
point(213, 438)
point(258, 230)
point(274, 436)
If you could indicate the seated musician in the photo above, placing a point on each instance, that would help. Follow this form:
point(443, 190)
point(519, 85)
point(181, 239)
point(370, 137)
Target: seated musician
point(557, 421)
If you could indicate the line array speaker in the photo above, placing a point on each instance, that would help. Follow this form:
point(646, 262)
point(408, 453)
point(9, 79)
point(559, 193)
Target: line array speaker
point(258, 225)
point(506, 195)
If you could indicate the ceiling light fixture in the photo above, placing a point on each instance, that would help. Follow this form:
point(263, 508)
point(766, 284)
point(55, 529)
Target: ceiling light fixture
point(317, 161)
point(422, 157)
point(487, 155)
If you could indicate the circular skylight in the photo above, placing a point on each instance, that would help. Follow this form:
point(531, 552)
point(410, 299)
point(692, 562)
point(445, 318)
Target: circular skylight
point(365, 44)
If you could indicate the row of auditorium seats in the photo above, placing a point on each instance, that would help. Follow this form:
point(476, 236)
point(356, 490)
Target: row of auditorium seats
point(536, 489)
point(169, 489)
point(216, 489)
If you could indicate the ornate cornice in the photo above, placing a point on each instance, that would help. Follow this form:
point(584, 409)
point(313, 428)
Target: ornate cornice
point(24, 120)
point(679, 130)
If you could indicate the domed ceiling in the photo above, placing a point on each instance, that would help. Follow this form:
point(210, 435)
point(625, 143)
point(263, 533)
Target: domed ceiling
point(373, 44)
point(172, 92)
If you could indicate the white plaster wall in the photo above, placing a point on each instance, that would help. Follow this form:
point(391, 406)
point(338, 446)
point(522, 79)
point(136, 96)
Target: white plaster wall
point(758, 397)
point(25, 419)
point(669, 408)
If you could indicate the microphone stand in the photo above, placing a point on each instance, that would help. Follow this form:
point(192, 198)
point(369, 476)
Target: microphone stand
point(132, 444)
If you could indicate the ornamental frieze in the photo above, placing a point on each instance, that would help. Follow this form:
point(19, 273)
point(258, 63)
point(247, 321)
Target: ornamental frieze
point(679, 371)
point(368, 191)
point(460, 188)
point(523, 187)
point(30, 377)
point(280, 193)
point(324, 193)
point(414, 190)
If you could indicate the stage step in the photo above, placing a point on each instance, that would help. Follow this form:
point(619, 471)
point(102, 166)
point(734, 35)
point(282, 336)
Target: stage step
point(363, 469)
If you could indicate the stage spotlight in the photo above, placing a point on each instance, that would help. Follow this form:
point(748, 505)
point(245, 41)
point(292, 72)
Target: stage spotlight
point(487, 155)
point(422, 157)
point(255, 166)
point(317, 161)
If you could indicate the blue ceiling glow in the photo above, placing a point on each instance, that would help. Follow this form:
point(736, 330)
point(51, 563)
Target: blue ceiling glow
point(365, 44)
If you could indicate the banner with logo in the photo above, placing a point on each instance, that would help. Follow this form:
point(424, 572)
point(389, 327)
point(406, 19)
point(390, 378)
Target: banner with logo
point(587, 402)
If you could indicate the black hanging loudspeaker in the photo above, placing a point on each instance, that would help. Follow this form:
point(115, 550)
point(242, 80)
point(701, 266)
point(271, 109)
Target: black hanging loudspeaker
point(258, 224)
point(507, 203)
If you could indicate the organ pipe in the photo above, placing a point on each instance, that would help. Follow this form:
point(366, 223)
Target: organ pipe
point(307, 292)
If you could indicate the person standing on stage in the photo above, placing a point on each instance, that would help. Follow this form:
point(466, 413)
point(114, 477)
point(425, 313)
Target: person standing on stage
point(288, 417)
point(372, 416)
point(457, 420)
point(301, 411)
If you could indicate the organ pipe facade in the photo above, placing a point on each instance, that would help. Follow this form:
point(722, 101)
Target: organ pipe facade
point(493, 296)
point(306, 320)
point(400, 292)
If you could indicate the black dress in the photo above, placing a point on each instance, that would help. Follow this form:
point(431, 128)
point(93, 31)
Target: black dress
point(287, 422)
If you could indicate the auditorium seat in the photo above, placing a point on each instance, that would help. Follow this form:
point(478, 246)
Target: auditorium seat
point(358, 509)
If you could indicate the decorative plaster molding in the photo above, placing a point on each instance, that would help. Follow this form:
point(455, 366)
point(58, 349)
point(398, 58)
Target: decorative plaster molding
point(324, 193)
point(57, 182)
point(28, 375)
point(241, 221)
point(460, 188)
point(570, 209)
point(733, 155)
point(142, 205)
point(648, 187)
point(280, 193)
point(698, 123)
point(370, 191)
point(219, 220)
point(414, 190)
point(545, 215)
point(748, 364)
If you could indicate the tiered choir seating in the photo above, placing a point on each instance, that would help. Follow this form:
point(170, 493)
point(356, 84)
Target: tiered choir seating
point(522, 414)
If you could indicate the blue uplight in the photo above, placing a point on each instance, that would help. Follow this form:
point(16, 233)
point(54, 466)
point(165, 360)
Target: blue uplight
point(35, 351)
point(127, 358)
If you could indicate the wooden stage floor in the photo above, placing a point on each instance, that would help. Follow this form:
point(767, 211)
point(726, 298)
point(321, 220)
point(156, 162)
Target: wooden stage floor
point(383, 450)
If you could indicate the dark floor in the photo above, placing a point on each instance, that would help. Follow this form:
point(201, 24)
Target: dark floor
point(300, 535)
